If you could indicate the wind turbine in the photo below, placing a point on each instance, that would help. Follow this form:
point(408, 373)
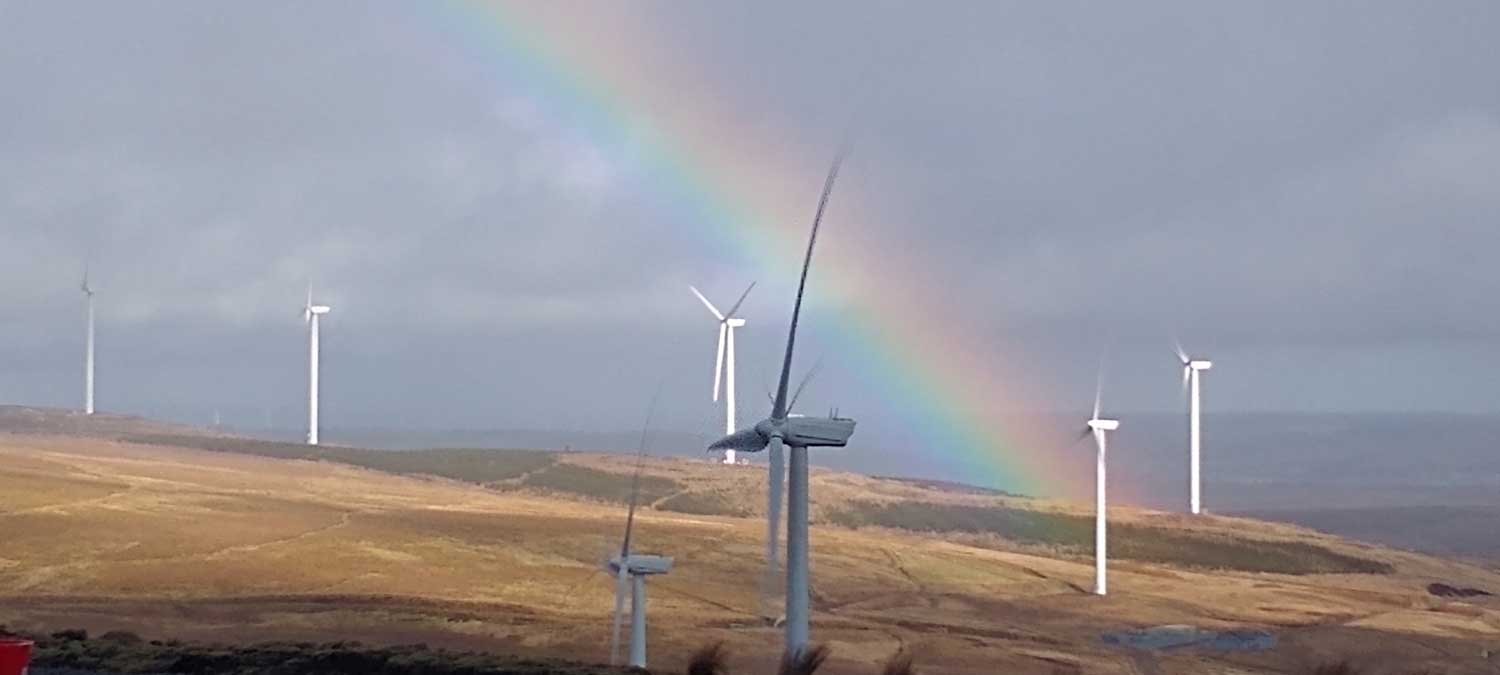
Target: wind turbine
point(88, 354)
point(1099, 428)
point(1191, 368)
point(799, 433)
point(724, 362)
point(311, 313)
point(631, 569)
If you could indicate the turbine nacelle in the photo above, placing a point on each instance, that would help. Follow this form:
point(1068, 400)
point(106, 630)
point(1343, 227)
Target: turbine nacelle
point(735, 322)
point(795, 431)
point(1104, 425)
point(310, 310)
point(640, 565)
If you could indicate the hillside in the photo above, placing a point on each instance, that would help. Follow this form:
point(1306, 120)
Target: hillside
point(195, 538)
point(15, 419)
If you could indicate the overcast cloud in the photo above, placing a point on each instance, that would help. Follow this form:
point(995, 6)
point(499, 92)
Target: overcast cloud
point(1309, 192)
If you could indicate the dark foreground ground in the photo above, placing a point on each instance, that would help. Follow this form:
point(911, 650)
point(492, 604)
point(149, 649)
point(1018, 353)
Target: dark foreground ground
point(75, 653)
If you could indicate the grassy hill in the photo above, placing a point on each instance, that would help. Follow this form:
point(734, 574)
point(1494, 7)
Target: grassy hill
point(15, 419)
point(1000, 520)
point(212, 539)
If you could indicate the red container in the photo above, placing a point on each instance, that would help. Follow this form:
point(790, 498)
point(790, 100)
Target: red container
point(14, 655)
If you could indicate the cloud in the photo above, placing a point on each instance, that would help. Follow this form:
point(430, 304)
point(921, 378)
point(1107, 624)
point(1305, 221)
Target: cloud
point(1273, 184)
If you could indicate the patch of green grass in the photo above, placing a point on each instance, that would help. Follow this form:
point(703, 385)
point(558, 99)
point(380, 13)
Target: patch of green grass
point(242, 446)
point(951, 486)
point(602, 485)
point(465, 464)
point(703, 504)
point(1127, 541)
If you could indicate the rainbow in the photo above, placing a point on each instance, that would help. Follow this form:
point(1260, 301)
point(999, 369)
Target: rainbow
point(753, 193)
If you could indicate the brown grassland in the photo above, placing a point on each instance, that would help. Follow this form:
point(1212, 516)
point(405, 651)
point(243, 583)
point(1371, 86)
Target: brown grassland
point(176, 542)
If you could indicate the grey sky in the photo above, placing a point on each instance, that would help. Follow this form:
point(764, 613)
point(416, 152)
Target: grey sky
point(1308, 192)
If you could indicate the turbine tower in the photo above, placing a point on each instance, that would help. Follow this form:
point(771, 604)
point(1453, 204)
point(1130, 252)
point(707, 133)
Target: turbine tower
point(1099, 428)
point(799, 433)
point(1191, 368)
point(631, 569)
point(724, 362)
point(311, 313)
point(88, 353)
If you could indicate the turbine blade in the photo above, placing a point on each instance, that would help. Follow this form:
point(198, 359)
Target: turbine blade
point(1084, 434)
point(621, 579)
point(792, 405)
point(571, 595)
point(1098, 391)
point(1181, 353)
point(774, 501)
point(1187, 372)
point(741, 301)
point(635, 482)
point(744, 440)
point(707, 304)
point(719, 360)
point(778, 409)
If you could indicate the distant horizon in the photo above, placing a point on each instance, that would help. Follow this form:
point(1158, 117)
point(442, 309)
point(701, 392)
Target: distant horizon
point(1323, 470)
point(1251, 461)
point(192, 419)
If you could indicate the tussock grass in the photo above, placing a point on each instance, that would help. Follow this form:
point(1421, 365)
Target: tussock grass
point(806, 661)
point(710, 660)
point(1127, 541)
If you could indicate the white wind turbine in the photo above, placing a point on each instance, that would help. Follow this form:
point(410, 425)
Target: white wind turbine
point(88, 354)
point(799, 433)
point(311, 313)
point(1099, 428)
point(1191, 368)
point(724, 361)
point(631, 569)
